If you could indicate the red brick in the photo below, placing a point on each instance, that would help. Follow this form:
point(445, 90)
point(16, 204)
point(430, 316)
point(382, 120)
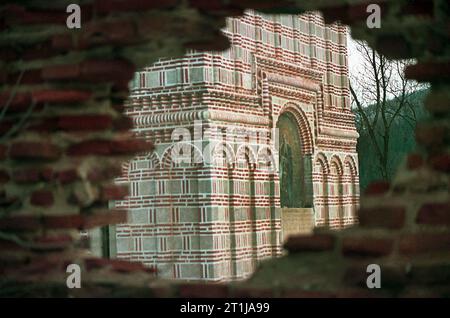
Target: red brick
point(7, 201)
point(84, 122)
point(34, 150)
point(312, 243)
point(91, 71)
point(118, 106)
point(84, 243)
point(107, 6)
point(414, 161)
point(251, 292)
point(5, 126)
point(366, 246)
point(42, 50)
point(4, 176)
point(3, 152)
point(377, 188)
point(436, 101)
point(26, 175)
point(424, 8)
point(131, 146)
point(42, 198)
point(31, 175)
point(75, 221)
point(431, 274)
point(34, 16)
point(349, 14)
point(61, 72)
point(384, 217)
point(108, 172)
point(219, 42)
point(7, 246)
point(107, 71)
point(204, 290)
point(43, 17)
point(62, 42)
point(147, 27)
point(440, 162)
point(39, 266)
point(163, 291)
point(434, 214)
point(43, 125)
point(114, 192)
point(7, 54)
point(101, 219)
point(300, 293)
point(357, 293)
point(60, 96)
point(428, 71)
point(261, 4)
point(29, 77)
point(52, 242)
point(394, 46)
point(90, 147)
point(126, 266)
point(67, 176)
point(423, 243)
point(20, 223)
point(46, 174)
point(208, 5)
point(115, 264)
point(19, 102)
point(85, 221)
point(120, 32)
point(430, 134)
point(123, 123)
point(391, 275)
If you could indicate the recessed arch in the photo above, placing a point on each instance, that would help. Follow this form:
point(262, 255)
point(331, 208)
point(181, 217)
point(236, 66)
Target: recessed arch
point(222, 149)
point(303, 126)
point(351, 179)
point(294, 155)
point(266, 159)
point(336, 193)
point(245, 152)
point(337, 164)
point(154, 160)
point(350, 162)
point(322, 161)
point(188, 154)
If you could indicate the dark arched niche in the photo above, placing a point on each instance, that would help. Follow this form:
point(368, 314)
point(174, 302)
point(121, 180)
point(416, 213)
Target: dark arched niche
point(294, 165)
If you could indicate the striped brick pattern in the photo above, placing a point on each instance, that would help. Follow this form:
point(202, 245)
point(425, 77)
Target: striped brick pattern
point(216, 220)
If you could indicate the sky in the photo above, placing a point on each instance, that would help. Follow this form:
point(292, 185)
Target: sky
point(354, 57)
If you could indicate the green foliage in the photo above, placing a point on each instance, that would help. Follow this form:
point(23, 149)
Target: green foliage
point(402, 139)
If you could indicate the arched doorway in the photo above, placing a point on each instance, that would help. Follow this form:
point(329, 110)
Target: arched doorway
point(295, 177)
point(294, 165)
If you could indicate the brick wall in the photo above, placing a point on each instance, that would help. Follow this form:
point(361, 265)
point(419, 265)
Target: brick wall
point(216, 219)
point(52, 182)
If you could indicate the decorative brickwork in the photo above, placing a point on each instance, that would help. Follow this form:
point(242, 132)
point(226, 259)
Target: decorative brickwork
point(217, 214)
point(54, 169)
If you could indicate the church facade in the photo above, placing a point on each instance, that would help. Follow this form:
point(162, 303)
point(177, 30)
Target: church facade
point(241, 136)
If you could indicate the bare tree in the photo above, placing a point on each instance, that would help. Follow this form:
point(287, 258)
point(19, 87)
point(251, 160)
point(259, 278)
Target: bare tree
point(381, 95)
